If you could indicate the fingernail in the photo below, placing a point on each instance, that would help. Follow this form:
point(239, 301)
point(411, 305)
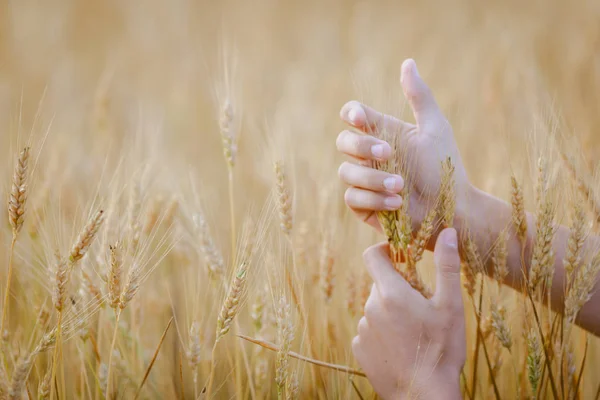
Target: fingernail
point(381, 151)
point(451, 238)
point(357, 115)
point(389, 183)
point(393, 184)
point(393, 203)
point(377, 150)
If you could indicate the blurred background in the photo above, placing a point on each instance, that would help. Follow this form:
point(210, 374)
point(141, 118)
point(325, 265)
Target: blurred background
point(101, 87)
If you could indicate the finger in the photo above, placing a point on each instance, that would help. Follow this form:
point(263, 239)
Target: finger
point(447, 261)
point(363, 327)
point(361, 199)
point(357, 350)
point(369, 178)
point(368, 120)
point(363, 147)
point(379, 265)
point(420, 97)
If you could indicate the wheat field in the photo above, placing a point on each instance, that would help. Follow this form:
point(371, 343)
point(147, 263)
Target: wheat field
point(170, 176)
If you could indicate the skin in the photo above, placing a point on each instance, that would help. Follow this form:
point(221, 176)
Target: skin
point(428, 143)
point(432, 349)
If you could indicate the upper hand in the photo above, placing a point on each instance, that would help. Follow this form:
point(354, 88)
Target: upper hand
point(428, 143)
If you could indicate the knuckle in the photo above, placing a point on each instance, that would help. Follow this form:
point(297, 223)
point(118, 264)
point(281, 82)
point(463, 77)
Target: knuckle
point(356, 144)
point(368, 254)
point(388, 299)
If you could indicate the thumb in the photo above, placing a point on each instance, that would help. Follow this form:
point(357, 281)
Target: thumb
point(447, 263)
point(382, 271)
point(423, 104)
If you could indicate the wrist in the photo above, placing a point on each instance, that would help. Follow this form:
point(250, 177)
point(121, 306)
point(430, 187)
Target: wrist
point(440, 386)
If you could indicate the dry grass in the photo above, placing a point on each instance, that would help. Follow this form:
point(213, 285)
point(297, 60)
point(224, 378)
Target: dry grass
point(169, 115)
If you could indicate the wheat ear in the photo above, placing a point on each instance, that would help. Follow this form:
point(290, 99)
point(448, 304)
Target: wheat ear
point(447, 197)
point(519, 218)
point(114, 276)
point(16, 216)
point(232, 302)
point(18, 193)
point(285, 329)
point(61, 279)
point(534, 361)
point(577, 238)
point(212, 256)
point(86, 237)
point(228, 134)
point(284, 198)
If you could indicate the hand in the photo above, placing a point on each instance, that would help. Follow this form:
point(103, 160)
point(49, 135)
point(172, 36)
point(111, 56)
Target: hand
point(409, 346)
point(428, 143)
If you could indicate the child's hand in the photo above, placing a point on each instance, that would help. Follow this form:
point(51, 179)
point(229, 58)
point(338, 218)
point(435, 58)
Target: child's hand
point(428, 143)
point(409, 346)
